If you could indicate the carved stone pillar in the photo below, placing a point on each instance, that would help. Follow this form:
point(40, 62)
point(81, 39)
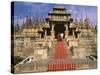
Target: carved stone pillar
point(45, 34)
point(78, 35)
point(52, 27)
point(52, 31)
point(73, 32)
point(66, 31)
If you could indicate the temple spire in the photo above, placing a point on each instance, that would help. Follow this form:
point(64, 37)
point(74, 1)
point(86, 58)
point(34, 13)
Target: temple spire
point(81, 20)
point(86, 21)
point(76, 21)
point(26, 24)
point(17, 26)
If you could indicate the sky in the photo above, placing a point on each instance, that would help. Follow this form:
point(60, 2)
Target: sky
point(23, 9)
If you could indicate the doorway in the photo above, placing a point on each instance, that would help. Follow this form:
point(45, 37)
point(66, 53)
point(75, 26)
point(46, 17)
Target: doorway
point(59, 29)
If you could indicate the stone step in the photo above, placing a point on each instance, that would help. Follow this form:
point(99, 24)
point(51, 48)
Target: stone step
point(61, 67)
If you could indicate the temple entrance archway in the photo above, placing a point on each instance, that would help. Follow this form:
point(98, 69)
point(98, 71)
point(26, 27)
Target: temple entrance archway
point(59, 29)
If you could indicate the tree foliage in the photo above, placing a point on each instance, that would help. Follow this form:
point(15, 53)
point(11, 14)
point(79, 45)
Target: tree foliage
point(17, 59)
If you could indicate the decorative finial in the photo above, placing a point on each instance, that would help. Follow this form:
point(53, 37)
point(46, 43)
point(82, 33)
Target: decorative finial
point(17, 22)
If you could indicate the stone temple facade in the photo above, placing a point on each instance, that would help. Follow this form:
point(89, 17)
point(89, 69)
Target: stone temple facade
point(35, 41)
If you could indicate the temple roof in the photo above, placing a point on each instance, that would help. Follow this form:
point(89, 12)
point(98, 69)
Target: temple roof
point(47, 25)
point(77, 30)
point(41, 29)
point(59, 8)
point(71, 25)
point(62, 13)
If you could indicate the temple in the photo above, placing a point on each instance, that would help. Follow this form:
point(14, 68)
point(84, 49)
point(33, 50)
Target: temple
point(57, 42)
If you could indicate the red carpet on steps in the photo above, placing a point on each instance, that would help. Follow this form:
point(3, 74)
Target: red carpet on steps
point(60, 54)
point(60, 50)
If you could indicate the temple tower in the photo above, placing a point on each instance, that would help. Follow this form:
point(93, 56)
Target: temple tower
point(59, 22)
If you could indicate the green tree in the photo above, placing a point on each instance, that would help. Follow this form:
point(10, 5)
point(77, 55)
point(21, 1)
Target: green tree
point(17, 59)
